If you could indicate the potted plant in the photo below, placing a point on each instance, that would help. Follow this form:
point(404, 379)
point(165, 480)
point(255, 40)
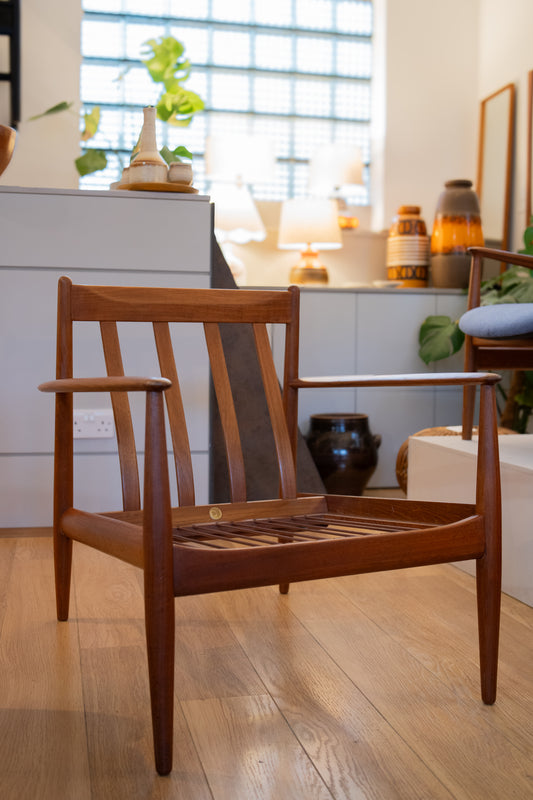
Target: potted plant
point(167, 65)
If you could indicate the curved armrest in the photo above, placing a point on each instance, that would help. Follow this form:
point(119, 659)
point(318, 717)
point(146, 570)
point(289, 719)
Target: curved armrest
point(431, 379)
point(504, 256)
point(107, 384)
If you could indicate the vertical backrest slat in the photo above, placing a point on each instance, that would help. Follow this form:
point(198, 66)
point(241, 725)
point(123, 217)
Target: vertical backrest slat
point(226, 407)
point(176, 415)
point(129, 471)
point(290, 374)
point(278, 420)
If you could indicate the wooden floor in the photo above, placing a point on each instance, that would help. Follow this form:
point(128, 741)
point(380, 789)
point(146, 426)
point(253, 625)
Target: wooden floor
point(362, 687)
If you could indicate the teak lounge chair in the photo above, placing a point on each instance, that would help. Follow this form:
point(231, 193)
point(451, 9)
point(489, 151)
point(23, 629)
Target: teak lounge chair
point(194, 549)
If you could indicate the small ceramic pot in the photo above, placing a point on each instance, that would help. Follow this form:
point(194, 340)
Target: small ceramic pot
point(179, 172)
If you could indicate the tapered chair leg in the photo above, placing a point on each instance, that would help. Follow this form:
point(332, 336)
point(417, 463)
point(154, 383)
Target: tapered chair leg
point(159, 583)
point(63, 497)
point(62, 568)
point(488, 599)
point(160, 623)
point(489, 566)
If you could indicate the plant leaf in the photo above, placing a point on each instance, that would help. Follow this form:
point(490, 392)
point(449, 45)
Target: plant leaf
point(92, 121)
point(166, 58)
point(178, 154)
point(64, 106)
point(439, 337)
point(91, 161)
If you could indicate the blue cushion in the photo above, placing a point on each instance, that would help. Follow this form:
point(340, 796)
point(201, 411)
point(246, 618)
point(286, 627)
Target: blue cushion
point(499, 321)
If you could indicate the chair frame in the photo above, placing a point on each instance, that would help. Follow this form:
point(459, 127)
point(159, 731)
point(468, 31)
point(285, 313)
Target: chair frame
point(194, 549)
point(483, 353)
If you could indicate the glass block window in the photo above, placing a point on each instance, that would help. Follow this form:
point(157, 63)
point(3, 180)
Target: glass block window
point(296, 71)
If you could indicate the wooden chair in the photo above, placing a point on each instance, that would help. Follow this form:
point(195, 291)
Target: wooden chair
point(496, 336)
point(195, 549)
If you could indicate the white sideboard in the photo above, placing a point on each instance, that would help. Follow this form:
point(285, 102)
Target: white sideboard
point(370, 330)
point(121, 238)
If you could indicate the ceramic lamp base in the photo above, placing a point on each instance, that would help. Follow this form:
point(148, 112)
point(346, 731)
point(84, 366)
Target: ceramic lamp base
point(308, 271)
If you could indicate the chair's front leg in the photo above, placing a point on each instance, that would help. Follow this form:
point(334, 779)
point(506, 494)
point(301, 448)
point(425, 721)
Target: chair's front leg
point(488, 567)
point(63, 499)
point(159, 582)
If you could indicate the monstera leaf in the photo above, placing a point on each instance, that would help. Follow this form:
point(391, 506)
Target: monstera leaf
point(439, 337)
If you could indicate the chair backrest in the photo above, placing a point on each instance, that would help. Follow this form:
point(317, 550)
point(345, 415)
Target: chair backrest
point(159, 308)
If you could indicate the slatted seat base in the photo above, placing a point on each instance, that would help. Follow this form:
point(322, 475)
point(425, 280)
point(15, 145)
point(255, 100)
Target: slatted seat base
point(259, 532)
point(337, 540)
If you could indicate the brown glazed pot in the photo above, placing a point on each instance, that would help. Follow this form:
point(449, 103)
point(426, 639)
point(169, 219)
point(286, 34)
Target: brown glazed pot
point(344, 451)
point(457, 227)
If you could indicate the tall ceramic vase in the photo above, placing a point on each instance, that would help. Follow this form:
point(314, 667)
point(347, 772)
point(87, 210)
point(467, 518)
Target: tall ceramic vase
point(408, 248)
point(148, 166)
point(344, 450)
point(457, 227)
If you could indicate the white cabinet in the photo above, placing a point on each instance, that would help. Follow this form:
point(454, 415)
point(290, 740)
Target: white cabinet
point(362, 331)
point(112, 238)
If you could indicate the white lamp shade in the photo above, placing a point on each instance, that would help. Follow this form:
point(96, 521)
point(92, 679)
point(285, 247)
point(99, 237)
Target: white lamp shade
point(335, 168)
point(239, 158)
point(236, 216)
point(309, 221)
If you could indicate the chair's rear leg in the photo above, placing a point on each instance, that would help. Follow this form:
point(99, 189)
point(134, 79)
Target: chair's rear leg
point(62, 569)
point(159, 583)
point(469, 399)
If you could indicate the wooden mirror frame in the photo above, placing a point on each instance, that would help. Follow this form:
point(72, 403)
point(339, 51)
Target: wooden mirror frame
point(529, 145)
point(508, 156)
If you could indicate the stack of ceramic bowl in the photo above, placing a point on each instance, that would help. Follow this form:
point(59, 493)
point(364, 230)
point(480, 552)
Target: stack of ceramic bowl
point(408, 248)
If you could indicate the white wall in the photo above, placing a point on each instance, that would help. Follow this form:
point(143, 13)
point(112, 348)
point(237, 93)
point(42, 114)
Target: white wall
point(50, 73)
point(506, 56)
point(430, 55)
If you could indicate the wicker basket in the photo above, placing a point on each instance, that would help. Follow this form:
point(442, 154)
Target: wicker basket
point(401, 459)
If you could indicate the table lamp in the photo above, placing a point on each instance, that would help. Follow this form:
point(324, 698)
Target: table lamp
point(309, 224)
point(334, 170)
point(237, 221)
point(232, 162)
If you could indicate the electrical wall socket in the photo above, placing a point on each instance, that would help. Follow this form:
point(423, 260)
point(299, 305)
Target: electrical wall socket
point(93, 423)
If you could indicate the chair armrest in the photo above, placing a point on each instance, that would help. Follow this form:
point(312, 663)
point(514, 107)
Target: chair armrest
point(107, 384)
point(478, 254)
point(432, 379)
point(518, 259)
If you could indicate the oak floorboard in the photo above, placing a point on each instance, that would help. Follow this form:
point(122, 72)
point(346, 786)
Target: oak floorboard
point(358, 754)
point(438, 626)
point(454, 738)
point(248, 751)
point(43, 748)
point(116, 692)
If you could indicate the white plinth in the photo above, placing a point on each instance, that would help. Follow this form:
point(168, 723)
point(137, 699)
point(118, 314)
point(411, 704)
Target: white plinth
point(443, 468)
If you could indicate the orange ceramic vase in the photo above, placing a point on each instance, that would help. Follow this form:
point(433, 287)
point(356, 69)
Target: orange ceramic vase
point(457, 227)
